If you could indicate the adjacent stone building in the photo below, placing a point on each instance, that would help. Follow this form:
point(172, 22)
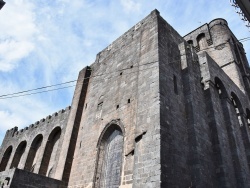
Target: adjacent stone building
point(2, 3)
point(154, 110)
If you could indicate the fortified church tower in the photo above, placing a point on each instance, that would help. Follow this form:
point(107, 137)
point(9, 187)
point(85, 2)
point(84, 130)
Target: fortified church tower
point(155, 109)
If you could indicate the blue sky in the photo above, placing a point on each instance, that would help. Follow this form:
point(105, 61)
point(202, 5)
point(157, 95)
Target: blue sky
point(44, 42)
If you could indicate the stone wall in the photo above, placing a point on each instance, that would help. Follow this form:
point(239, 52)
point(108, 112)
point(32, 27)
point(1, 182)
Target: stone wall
point(174, 142)
point(35, 148)
point(16, 178)
point(123, 94)
point(228, 124)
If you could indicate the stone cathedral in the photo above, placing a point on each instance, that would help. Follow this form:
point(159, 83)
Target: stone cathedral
point(154, 110)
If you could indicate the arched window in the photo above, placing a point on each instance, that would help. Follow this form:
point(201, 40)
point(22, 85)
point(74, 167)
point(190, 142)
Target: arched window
point(110, 158)
point(244, 135)
point(5, 159)
point(18, 154)
point(220, 88)
point(49, 156)
point(201, 41)
point(237, 107)
point(33, 153)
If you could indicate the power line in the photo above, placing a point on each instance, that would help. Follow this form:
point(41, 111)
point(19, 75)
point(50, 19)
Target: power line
point(37, 92)
point(16, 94)
point(244, 38)
point(26, 91)
point(38, 88)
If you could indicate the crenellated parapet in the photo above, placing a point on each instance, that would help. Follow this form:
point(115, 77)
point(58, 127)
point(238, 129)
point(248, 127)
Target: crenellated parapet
point(14, 132)
point(11, 132)
point(14, 137)
point(30, 139)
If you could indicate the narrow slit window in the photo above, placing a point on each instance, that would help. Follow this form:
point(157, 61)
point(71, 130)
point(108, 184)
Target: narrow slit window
point(175, 85)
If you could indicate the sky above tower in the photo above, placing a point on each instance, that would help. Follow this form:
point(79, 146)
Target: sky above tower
point(45, 42)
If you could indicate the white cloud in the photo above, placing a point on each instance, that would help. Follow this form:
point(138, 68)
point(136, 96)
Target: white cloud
point(9, 120)
point(17, 33)
point(22, 113)
point(11, 51)
point(130, 6)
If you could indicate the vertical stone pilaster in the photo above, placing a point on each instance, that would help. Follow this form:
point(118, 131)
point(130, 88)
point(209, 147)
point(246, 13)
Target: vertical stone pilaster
point(69, 139)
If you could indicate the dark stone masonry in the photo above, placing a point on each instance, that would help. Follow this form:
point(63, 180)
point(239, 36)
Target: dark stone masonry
point(154, 110)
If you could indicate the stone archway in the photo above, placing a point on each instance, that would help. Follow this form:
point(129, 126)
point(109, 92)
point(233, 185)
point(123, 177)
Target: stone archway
point(110, 151)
